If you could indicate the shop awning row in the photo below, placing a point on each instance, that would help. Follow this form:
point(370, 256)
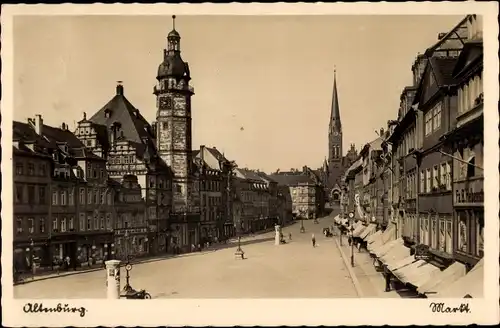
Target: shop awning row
point(380, 240)
point(371, 238)
point(358, 229)
point(443, 279)
point(470, 284)
point(369, 230)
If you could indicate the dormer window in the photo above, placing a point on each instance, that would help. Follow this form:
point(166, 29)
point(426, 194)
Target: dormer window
point(108, 112)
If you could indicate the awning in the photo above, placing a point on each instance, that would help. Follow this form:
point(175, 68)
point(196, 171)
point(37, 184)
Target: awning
point(401, 263)
point(374, 237)
point(395, 254)
point(443, 279)
point(424, 273)
point(336, 219)
point(383, 249)
point(404, 272)
point(386, 236)
point(368, 231)
point(358, 230)
point(470, 284)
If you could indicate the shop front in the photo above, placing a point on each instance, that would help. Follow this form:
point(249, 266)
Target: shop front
point(94, 249)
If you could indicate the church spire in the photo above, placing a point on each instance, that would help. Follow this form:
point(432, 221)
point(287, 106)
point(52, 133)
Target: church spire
point(335, 124)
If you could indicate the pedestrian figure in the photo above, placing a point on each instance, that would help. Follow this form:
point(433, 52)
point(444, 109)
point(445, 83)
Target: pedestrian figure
point(313, 240)
point(290, 236)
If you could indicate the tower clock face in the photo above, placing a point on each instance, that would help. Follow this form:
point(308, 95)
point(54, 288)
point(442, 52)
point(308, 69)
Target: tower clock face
point(165, 103)
point(335, 133)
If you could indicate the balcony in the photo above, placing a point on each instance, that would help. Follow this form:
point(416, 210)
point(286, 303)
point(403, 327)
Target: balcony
point(469, 192)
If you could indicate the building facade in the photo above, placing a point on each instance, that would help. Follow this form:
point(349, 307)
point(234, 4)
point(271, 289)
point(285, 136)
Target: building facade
point(466, 142)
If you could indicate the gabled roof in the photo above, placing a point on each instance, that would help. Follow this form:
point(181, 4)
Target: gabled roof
point(442, 70)
point(134, 126)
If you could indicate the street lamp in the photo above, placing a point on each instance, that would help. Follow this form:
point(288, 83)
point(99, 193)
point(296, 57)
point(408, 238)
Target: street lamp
point(351, 217)
point(32, 257)
point(302, 229)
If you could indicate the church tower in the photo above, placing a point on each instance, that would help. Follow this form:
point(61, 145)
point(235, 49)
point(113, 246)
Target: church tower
point(173, 117)
point(334, 143)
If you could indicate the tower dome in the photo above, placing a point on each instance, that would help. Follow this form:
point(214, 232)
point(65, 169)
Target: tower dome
point(173, 65)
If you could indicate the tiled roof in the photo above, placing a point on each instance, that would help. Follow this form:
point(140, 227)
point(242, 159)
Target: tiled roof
point(291, 179)
point(217, 154)
point(133, 124)
point(443, 67)
point(51, 138)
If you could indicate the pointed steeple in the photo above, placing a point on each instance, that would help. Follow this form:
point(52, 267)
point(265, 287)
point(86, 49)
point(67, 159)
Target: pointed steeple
point(335, 124)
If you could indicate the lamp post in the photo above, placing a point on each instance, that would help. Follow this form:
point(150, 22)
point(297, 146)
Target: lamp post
point(30, 250)
point(351, 217)
point(301, 213)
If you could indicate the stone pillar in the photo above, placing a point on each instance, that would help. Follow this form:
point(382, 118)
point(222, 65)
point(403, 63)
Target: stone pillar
point(113, 279)
point(277, 235)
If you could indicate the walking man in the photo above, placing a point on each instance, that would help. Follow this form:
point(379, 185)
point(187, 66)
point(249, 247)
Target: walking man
point(313, 239)
point(290, 236)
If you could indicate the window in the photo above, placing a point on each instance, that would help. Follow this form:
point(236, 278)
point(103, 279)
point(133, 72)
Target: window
point(103, 197)
point(71, 197)
point(94, 173)
point(479, 233)
point(108, 196)
point(436, 119)
point(428, 122)
point(465, 98)
point(442, 235)
point(108, 221)
point(63, 225)
point(63, 197)
point(471, 168)
point(54, 198)
point(82, 196)
point(444, 177)
point(31, 169)
point(41, 195)
point(19, 225)
point(19, 169)
point(19, 193)
point(31, 194)
point(89, 222)
point(429, 180)
point(42, 170)
point(433, 232)
point(89, 196)
point(96, 223)
point(102, 223)
point(41, 226)
point(81, 220)
point(71, 224)
point(54, 225)
point(448, 176)
point(31, 225)
point(96, 197)
point(448, 239)
point(462, 231)
point(426, 231)
point(435, 180)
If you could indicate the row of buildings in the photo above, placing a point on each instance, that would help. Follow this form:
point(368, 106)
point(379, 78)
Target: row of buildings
point(423, 175)
point(119, 185)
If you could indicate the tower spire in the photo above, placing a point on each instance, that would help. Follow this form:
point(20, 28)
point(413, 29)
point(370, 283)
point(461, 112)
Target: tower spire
point(335, 110)
point(173, 22)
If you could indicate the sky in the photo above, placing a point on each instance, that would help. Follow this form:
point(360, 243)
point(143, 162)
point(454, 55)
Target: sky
point(263, 84)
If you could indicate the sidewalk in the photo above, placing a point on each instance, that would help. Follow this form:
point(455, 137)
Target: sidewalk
point(27, 278)
point(370, 282)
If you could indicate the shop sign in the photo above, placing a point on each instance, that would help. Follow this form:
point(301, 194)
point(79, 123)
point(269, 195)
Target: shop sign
point(422, 252)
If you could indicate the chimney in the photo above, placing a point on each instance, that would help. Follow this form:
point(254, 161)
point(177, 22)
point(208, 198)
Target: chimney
point(64, 127)
point(119, 88)
point(381, 132)
point(441, 35)
point(38, 124)
point(202, 150)
point(164, 53)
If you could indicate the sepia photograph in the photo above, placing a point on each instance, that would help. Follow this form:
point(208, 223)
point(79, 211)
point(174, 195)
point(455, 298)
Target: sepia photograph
point(185, 157)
